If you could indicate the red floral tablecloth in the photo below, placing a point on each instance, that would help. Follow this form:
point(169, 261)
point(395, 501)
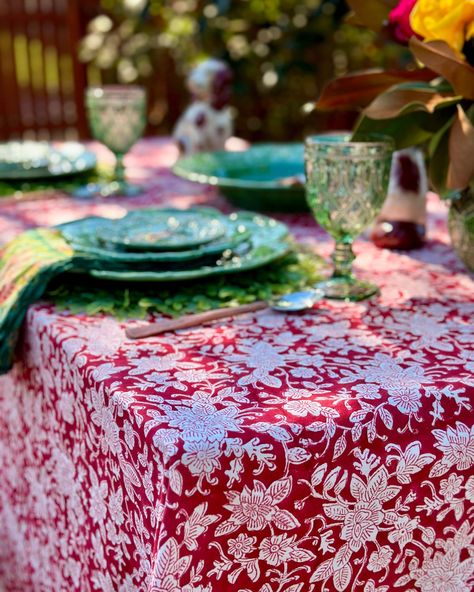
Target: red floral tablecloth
point(332, 450)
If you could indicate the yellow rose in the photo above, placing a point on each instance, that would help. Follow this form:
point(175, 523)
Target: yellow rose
point(446, 20)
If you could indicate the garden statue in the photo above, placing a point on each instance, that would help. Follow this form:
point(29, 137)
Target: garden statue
point(401, 223)
point(207, 122)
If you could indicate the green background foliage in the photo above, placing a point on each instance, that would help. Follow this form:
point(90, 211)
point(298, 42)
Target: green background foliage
point(281, 51)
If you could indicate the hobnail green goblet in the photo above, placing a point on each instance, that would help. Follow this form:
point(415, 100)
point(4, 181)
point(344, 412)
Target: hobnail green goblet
point(346, 185)
point(117, 118)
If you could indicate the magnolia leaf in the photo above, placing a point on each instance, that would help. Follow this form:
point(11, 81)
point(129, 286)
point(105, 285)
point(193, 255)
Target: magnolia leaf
point(359, 89)
point(405, 98)
point(371, 13)
point(438, 163)
point(442, 59)
point(407, 130)
point(461, 150)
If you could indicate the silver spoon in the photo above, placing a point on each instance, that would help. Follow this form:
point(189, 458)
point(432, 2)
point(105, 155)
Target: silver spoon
point(297, 301)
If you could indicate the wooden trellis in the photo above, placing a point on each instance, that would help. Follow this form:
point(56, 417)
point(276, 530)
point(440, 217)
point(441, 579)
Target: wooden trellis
point(41, 79)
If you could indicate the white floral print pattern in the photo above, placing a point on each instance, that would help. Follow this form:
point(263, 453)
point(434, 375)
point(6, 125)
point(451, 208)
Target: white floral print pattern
point(332, 450)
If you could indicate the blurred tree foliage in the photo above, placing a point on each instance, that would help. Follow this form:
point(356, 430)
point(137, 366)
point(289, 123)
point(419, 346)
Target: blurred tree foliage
point(282, 52)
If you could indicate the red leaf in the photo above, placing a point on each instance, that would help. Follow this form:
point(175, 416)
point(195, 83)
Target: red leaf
point(442, 59)
point(399, 100)
point(357, 90)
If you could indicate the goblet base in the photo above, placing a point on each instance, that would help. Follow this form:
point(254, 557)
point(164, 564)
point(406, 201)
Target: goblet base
point(115, 188)
point(347, 288)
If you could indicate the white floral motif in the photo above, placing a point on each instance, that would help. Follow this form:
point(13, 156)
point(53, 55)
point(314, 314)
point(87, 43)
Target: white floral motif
point(446, 570)
point(390, 374)
point(201, 457)
point(203, 421)
point(450, 487)
point(360, 523)
point(241, 546)
point(303, 408)
point(406, 400)
point(277, 549)
point(470, 489)
point(380, 559)
point(258, 507)
point(263, 359)
point(403, 531)
point(457, 446)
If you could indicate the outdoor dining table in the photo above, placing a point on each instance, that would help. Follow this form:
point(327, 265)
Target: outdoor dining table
point(325, 450)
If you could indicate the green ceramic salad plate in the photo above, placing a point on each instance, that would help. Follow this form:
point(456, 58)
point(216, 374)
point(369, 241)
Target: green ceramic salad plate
point(266, 177)
point(89, 236)
point(164, 230)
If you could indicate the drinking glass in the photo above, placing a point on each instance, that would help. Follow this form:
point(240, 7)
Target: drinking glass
point(117, 118)
point(346, 185)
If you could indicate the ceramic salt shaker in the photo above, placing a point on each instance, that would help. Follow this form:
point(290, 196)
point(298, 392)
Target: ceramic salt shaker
point(401, 223)
point(207, 122)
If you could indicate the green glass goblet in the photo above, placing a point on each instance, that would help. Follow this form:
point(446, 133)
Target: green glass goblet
point(346, 185)
point(117, 118)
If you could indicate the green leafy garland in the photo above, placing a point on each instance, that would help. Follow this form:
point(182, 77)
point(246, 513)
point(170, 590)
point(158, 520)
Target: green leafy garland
point(296, 271)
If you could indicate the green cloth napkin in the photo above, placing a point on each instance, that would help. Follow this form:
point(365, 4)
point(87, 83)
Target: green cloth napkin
point(27, 265)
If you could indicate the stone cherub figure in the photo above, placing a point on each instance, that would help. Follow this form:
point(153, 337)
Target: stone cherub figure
point(207, 122)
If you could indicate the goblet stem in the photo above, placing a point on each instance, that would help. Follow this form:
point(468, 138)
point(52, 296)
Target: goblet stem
point(342, 257)
point(119, 172)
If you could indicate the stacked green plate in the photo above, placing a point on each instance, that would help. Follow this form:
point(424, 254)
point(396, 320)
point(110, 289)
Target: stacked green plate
point(165, 244)
point(266, 177)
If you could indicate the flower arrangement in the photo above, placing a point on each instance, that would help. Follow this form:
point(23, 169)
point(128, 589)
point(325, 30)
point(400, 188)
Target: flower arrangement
point(432, 105)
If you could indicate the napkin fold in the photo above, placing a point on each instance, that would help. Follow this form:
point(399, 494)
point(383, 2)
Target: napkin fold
point(27, 265)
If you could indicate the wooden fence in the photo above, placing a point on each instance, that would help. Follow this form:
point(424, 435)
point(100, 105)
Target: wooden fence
point(41, 79)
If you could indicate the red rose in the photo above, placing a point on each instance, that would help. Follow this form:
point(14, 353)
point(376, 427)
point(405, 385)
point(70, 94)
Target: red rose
point(399, 21)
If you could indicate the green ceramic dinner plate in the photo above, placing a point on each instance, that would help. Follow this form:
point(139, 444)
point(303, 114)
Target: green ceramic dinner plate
point(163, 230)
point(266, 177)
point(22, 161)
point(268, 242)
point(83, 236)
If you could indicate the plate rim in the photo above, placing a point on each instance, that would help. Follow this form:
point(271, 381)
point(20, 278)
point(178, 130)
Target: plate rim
point(227, 182)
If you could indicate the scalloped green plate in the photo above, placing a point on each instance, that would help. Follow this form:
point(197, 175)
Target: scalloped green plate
point(83, 235)
point(268, 242)
point(166, 229)
point(266, 177)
